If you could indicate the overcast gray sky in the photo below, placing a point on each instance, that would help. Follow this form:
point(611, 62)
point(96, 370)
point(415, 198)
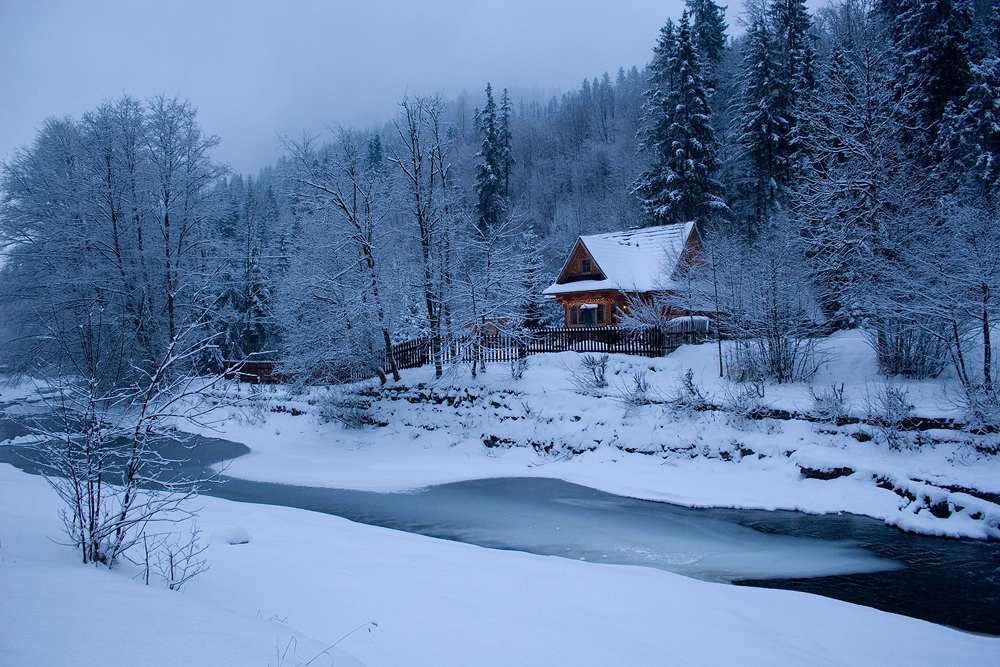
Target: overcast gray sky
point(255, 68)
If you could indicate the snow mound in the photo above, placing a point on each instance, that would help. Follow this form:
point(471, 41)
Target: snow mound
point(230, 533)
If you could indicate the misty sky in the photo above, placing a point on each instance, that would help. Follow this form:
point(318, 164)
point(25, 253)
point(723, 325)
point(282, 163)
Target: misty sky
point(256, 69)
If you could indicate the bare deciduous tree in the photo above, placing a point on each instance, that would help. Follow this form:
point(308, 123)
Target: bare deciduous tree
point(420, 153)
point(343, 185)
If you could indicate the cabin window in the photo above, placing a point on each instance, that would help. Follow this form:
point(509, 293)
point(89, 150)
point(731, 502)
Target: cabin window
point(586, 266)
point(587, 312)
point(572, 315)
point(600, 314)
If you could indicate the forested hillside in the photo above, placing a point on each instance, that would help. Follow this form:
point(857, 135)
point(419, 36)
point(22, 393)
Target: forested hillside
point(841, 166)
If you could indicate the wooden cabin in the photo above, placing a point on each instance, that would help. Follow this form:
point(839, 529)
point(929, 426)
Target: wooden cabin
point(604, 271)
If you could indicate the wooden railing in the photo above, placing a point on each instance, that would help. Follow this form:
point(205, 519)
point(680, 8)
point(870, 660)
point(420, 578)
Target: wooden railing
point(505, 347)
point(501, 347)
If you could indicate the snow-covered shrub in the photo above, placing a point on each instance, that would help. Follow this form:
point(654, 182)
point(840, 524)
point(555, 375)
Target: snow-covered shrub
point(636, 391)
point(349, 406)
point(981, 407)
point(231, 533)
point(176, 558)
point(686, 393)
point(98, 444)
point(762, 292)
point(830, 403)
point(889, 404)
point(888, 408)
point(742, 367)
point(745, 401)
point(591, 374)
point(780, 358)
point(904, 349)
point(517, 367)
point(179, 558)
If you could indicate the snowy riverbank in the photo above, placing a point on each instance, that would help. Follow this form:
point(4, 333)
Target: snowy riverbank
point(305, 580)
point(938, 481)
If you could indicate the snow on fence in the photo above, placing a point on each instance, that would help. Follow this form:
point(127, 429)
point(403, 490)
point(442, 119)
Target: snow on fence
point(688, 324)
point(501, 347)
point(504, 347)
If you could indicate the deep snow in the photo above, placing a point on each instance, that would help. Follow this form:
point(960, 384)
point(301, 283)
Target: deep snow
point(302, 581)
point(655, 452)
point(306, 579)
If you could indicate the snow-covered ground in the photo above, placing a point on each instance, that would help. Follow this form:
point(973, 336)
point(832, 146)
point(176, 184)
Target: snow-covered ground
point(305, 580)
point(545, 425)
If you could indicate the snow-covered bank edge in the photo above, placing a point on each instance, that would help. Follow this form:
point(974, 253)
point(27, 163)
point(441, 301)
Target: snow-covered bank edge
point(304, 575)
point(56, 611)
point(545, 424)
point(937, 482)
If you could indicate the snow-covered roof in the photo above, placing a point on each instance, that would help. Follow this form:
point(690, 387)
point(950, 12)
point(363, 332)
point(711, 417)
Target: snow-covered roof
point(639, 260)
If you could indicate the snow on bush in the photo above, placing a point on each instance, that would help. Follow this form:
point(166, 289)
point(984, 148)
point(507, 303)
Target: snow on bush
point(830, 403)
point(348, 405)
point(686, 394)
point(745, 401)
point(517, 367)
point(888, 408)
point(981, 407)
point(591, 374)
point(635, 389)
point(231, 533)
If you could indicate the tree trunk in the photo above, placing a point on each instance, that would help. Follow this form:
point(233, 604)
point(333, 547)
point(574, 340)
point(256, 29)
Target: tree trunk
point(987, 344)
point(963, 375)
point(390, 356)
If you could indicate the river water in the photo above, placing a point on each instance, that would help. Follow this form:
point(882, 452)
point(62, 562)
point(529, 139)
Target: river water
point(848, 557)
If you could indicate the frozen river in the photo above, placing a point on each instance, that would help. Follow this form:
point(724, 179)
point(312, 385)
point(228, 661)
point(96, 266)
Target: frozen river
point(853, 558)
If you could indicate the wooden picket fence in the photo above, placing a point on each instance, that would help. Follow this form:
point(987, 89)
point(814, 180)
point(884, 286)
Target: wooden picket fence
point(506, 347)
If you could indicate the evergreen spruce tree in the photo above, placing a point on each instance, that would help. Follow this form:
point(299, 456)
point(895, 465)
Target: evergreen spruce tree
point(969, 139)
point(794, 50)
point(376, 154)
point(245, 303)
point(763, 128)
point(776, 79)
point(935, 50)
point(505, 159)
point(490, 172)
point(661, 73)
point(535, 278)
point(855, 182)
point(709, 26)
point(680, 186)
point(794, 59)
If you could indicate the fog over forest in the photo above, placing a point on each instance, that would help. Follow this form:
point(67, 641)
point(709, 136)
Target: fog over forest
point(839, 164)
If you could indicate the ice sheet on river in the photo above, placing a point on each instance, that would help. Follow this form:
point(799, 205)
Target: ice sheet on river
point(552, 517)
